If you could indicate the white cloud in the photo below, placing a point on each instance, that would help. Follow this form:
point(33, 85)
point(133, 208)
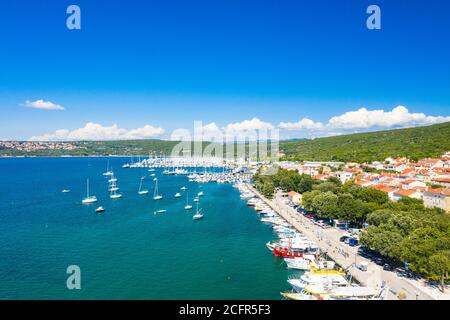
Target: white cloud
point(95, 131)
point(398, 117)
point(253, 124)
point(42, 105)
point(362, 119)
point(303, 123)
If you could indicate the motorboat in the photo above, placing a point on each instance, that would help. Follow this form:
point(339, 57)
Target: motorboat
point(100, 210)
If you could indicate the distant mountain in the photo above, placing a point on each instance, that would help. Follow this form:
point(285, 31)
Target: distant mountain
point(414, 143)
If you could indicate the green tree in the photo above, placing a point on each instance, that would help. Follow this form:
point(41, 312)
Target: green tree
point(439, 267)
point(325, 204)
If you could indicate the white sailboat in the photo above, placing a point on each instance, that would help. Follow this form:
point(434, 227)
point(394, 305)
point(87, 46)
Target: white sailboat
point(183, 188)
point(187, 206)
point(200, 194)
point(177, 195)
point(89, 199)
point(156, 195)
point(142, 192)
point(115, 195)
point(198, 215)
point(108, 172)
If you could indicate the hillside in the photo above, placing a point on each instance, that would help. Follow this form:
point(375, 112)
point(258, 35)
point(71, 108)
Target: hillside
point(415, 143)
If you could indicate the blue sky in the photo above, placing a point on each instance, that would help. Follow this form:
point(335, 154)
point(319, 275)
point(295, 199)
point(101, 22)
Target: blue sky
point(168, 63)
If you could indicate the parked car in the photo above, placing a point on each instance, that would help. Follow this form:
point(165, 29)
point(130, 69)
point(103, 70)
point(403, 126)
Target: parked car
point(353, 242)
point(379, 261)
point(362, 265)
point(387, 267)
point(364, 252)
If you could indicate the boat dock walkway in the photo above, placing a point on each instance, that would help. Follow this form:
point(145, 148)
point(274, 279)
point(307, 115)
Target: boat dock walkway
point(346, 256)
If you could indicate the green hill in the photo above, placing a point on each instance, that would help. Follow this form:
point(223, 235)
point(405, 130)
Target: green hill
point(414, 143)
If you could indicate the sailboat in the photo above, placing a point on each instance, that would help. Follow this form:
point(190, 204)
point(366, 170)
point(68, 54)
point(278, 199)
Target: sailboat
point(156, 196)
point(183, 188)
point(108, 172)
point(177, 195)
point(115, 195)
point(88, 199)
point(200, 194)
point(198, 215)
point(187, 206)
point(142, 192)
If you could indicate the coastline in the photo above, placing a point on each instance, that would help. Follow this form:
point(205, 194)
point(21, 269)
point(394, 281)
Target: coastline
point(345, 256)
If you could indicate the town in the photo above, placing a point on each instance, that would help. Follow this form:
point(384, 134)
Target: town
point(426, 179)
point(33, 146)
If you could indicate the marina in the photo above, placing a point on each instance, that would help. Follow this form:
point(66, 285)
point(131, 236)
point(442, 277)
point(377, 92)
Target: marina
point(300, 253)
point(299, 262)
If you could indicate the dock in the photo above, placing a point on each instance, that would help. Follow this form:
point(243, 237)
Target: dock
point(345, 256)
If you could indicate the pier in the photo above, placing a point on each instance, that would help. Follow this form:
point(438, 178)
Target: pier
point(347, 257)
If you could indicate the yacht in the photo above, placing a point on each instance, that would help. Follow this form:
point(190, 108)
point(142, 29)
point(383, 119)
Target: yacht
point(156, 195)
point(334, 277)
point(330, 292)
point(65, 191)
point(115, 195)
point(142, 192)
point(198, 215)
point(108, 172)
point(187, 206)
point(89, 199)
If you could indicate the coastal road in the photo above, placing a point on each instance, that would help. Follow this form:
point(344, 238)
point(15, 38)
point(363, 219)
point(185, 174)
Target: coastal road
point(346, 256)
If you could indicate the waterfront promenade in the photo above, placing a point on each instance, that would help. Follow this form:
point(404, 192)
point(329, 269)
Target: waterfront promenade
point(347, 257)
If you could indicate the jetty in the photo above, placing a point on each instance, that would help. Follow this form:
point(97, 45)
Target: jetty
point(345, 256)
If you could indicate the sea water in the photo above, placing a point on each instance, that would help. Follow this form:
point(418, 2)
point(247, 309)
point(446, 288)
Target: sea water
point(128, 252)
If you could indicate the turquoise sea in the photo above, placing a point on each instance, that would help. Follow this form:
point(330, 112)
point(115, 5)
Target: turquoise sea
point(127, 252)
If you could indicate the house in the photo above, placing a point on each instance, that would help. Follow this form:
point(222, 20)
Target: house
point(439, 198)
point(386, 189)
point(442, 181)
point(294, 197)
point(345, 176)
point(363, 183)
point(406, 193)
point(411, 184)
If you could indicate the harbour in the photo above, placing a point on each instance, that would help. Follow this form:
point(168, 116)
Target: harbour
point(128, 252)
